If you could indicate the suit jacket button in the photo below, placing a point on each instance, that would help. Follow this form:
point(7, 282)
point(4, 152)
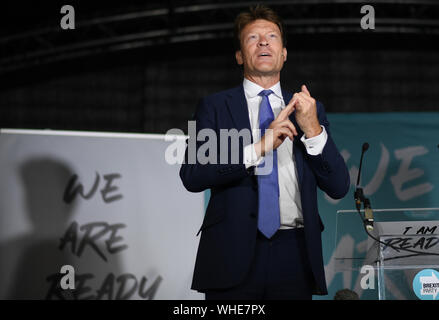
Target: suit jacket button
point(253, 214)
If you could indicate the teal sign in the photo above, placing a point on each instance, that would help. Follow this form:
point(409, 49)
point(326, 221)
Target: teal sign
point(399, 170)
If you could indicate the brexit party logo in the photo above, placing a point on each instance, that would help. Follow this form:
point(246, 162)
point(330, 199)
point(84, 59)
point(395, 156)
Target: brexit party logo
point(426, 284)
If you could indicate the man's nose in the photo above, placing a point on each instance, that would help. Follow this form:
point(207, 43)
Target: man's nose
point(263, 42)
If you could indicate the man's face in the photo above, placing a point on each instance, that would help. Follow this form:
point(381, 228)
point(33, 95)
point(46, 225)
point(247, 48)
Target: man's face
point(262, 52)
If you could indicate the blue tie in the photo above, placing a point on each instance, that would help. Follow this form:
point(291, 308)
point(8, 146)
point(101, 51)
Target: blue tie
point(268, 185)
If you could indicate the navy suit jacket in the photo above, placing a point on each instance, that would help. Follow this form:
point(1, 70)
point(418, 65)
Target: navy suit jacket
point(228, 231)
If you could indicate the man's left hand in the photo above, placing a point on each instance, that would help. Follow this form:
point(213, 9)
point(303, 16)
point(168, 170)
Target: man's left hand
point(306, 113)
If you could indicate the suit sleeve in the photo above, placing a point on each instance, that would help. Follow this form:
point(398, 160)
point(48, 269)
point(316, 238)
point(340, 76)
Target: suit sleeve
point(329, 167)
point(197, 176)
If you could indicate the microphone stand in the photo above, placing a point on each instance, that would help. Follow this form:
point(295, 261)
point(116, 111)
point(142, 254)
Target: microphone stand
point(368, 212)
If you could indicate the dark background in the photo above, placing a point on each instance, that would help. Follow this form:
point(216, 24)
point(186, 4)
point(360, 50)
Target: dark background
point(142, 66)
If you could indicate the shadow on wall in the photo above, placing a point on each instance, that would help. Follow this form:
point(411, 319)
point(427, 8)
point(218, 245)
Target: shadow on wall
point(31, 263)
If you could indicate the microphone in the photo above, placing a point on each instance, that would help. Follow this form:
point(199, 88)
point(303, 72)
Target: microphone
point(363, 150)
point(359, 195)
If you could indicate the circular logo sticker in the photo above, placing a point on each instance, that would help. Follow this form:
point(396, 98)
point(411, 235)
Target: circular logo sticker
point(426, 284)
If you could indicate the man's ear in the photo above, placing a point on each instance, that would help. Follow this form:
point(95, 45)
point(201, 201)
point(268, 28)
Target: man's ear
point(238, 56)
point(284, 54)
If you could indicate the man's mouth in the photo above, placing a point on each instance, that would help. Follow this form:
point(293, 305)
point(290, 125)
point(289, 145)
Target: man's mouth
point(264, 54)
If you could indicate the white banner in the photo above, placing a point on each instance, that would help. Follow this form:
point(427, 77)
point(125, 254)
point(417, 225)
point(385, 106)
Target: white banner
point(106, 204)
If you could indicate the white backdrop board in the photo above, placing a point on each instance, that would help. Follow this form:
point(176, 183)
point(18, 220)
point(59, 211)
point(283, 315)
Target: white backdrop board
point(107, 204)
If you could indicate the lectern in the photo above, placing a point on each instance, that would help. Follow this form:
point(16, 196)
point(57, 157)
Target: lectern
point(397, 260)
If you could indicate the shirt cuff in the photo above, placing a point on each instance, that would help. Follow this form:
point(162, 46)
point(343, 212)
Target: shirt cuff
point(314, 146)
point(250, 157)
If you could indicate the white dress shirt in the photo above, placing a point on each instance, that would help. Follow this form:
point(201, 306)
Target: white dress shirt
point(289, 189)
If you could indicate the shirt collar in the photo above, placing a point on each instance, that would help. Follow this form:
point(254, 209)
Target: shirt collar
point(252, 89)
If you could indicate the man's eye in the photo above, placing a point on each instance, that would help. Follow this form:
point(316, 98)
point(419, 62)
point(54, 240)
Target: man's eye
point(273, 35)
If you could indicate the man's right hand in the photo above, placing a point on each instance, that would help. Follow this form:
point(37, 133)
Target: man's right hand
point(277, 132)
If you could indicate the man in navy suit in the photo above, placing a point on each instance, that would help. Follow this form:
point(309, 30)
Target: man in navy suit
point(261, 234)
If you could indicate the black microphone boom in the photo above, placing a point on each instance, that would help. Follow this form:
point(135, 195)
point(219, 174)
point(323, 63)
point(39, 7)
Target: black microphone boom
point(360, 198)
point(358, 194)
point(363, 150)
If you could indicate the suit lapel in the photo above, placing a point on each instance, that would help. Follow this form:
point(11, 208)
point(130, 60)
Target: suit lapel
point(238, 109)
point(297, 151)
